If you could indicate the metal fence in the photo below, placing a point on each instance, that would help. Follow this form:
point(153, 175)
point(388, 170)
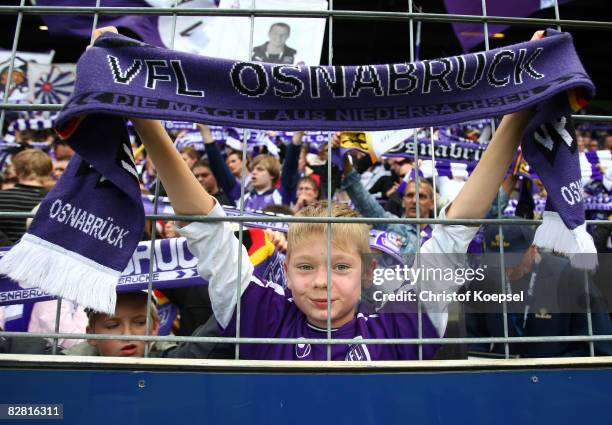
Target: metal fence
point(410, 17)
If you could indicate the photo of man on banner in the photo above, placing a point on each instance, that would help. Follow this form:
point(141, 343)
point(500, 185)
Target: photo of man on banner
point(275, 50)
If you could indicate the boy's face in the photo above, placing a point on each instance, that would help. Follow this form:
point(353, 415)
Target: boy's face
point(170, 229)
point(129, 319)
point(307, 191)
point(261, 178)
point(306, 268)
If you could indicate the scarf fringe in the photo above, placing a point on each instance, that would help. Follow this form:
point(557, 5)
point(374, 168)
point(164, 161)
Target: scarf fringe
point(35, 263)
point(577, 243)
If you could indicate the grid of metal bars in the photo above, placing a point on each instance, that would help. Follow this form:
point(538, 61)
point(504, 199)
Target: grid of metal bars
point(331, 15)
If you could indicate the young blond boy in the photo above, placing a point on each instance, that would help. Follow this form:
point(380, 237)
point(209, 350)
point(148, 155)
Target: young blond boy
point(267, 311)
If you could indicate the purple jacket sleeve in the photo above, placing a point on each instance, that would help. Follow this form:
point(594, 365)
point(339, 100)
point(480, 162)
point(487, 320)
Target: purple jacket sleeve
point(290, 174)
point(224, 176)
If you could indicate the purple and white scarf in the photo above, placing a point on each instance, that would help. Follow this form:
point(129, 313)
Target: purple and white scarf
point(593, 165)
point(22, 124)
point(256, 139)
point(601, 202)
point(89, 225)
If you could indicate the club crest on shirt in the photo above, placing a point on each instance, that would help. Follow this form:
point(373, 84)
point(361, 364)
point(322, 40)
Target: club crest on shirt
point(302, 350)
point(358, 352)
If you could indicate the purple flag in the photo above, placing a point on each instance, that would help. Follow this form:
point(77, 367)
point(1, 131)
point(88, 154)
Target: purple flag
point(471, 34)
point(144, 26)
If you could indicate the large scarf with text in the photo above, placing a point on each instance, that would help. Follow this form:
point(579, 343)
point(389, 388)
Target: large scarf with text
point(89, 225)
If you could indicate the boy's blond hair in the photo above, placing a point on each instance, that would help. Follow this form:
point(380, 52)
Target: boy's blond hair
point(271, 165)
point(346, 236)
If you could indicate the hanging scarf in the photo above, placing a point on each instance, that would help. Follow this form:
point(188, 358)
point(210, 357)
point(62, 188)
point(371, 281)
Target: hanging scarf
point(88, 226)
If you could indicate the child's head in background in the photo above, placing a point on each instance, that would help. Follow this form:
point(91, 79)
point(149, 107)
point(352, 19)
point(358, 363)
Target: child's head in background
point(129, 319)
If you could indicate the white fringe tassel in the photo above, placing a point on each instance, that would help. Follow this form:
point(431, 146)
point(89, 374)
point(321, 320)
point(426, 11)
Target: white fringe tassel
point(36, 263)
point(577, 244)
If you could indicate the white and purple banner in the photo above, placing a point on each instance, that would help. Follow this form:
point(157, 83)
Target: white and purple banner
point(174, 266)
point(25, 73)
point(276, 39)
point(299, 41)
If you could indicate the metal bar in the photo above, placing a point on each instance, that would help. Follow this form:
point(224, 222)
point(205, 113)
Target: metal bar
point(58, 312)
point(30, 107)
point(154, 228)
point(418, 206)
point(434, 171)
point(586, 275)
point(337, 14)
point(330, 59)
point(366, 220)
point(498, 200)
point(152, 259)
point(245, 138)
point(240, 241)
point(557, 14)
point(320, 341)
point(94, 24)
point(592, 118)
point(9, 81)
point(589, 313)
point(328, 330)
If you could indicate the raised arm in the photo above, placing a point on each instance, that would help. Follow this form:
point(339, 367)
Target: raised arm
point(213, 244)
point(224, 176)
point(289, 172)
point(474, 199)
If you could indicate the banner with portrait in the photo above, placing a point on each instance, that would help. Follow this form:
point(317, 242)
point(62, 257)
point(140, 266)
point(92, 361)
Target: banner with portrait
point(282, 40)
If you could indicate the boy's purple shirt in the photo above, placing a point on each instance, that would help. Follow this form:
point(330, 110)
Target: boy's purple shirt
point(258, 201)
point(266, 313)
